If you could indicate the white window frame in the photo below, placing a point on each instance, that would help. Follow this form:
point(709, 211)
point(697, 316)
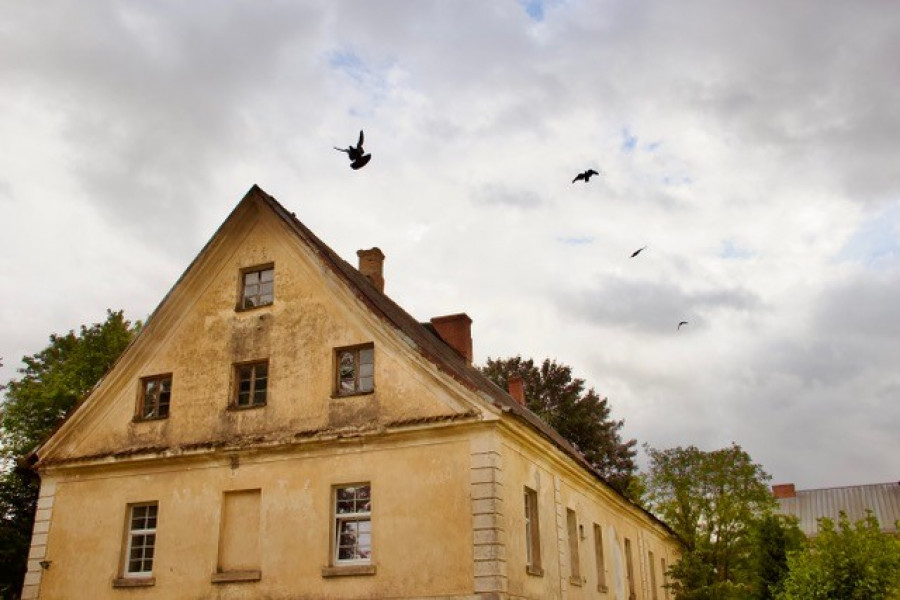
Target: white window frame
point(143, 532)
point(357, 516)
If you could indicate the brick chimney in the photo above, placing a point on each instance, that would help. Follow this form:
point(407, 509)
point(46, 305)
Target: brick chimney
point(456, 331)
point(516, 387)
point(371, 264)
point(784, 490)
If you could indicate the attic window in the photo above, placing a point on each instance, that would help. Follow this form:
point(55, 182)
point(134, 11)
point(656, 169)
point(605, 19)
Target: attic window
point(355, 370)
point(258, 287)
point(155, 395)
point(251, 384)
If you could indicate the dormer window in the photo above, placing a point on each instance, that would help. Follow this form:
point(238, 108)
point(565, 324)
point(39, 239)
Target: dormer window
point(355, 370)
point(258, 287)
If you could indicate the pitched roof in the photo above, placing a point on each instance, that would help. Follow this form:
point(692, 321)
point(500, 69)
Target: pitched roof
point(883, 499)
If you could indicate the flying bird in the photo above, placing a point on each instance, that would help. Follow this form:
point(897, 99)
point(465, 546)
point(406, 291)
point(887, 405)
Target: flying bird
point(680, 323)
point(586, 176)
point(638, 251)
point(356, 154)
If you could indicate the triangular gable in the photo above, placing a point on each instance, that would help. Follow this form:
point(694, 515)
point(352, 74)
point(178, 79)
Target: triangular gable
point(102, 425)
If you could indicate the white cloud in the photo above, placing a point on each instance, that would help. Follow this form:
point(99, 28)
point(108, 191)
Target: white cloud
point(749, 145)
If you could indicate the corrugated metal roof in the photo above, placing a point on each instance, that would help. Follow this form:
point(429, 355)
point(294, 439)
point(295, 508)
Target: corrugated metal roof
point(883, 499)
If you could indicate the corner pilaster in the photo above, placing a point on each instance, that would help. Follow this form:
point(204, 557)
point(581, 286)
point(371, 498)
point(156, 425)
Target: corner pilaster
point(488, 534)
point(31, 588)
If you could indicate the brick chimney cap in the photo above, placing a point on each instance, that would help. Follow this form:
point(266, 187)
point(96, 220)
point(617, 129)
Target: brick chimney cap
point(454, 317)
point(372, 250)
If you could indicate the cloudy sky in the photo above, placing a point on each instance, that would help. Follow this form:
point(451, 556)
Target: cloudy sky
point(752, 146)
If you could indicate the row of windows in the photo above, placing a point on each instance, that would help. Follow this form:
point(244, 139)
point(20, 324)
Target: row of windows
point(354, 374)
point(351, 532)
point(575, 534)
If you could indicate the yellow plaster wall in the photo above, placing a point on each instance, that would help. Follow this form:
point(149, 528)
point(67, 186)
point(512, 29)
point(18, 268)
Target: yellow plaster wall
point(560, 487)
point(198, 336)
point(421, 524)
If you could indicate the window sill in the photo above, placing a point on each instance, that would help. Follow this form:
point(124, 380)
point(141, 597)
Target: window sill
point(237, 576)
point(576, 581)
point(348, 570)
point(236, 408)
point(242, 309)
point(337, 396)
point(131, 582)
point(603, 589)
point(536, 571)
point(148, 419)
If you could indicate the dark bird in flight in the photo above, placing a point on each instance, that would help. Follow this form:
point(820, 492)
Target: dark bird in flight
point(357, 156)
point(586, 176)
point(638, 251)
point(680, 323)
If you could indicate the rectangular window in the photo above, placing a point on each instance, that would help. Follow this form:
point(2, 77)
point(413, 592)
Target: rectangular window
point(598, 555)
point(258, 287)
point(665, 576)
point(353, 524)
point(355, 370)
point(155, 395)
point(652, 566)
point(141, 542)
point(239, 548)
point(532, 534)
point(574, 559)
point(251, 384)
point(629, 570)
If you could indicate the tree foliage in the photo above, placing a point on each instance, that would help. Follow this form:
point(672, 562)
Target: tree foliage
point(49, 386)
point(773, 538)
point(55, 378)
point(581, 416)
point(846, 561)
point(712, 500)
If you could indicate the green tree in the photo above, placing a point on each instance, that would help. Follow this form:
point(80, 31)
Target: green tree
point(711, 499)
point(581, 416)
point(850, 562)
point(773, 538)
point(50, 385)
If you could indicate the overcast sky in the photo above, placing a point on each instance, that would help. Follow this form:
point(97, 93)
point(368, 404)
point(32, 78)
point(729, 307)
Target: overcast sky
point(752, 146)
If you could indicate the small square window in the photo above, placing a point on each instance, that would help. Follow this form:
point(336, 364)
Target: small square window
point(353, 524)
point(141, 543)
point(156, 392)
point(258, 287)
point(355, 370)
point(251, 382)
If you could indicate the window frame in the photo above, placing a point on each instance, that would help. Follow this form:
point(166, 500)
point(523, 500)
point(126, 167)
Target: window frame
point(338, 519)
point(145, 382)
point(357, 353)
point(532, 533)
point(654, 591)
point(131, 533)
point(600, 559)
point(234, 402)
point(242, 287)
point(574, 551)
point(629, 571)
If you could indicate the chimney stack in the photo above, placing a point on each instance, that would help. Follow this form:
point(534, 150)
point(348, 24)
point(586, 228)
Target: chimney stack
point(784, 490)
point(371, 265)
point(516, 387)
point(456, 331)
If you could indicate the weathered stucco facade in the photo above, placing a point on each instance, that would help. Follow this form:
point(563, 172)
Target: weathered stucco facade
point(404, 474)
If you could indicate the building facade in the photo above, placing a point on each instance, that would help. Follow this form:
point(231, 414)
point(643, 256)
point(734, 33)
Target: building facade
point(281, 429)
